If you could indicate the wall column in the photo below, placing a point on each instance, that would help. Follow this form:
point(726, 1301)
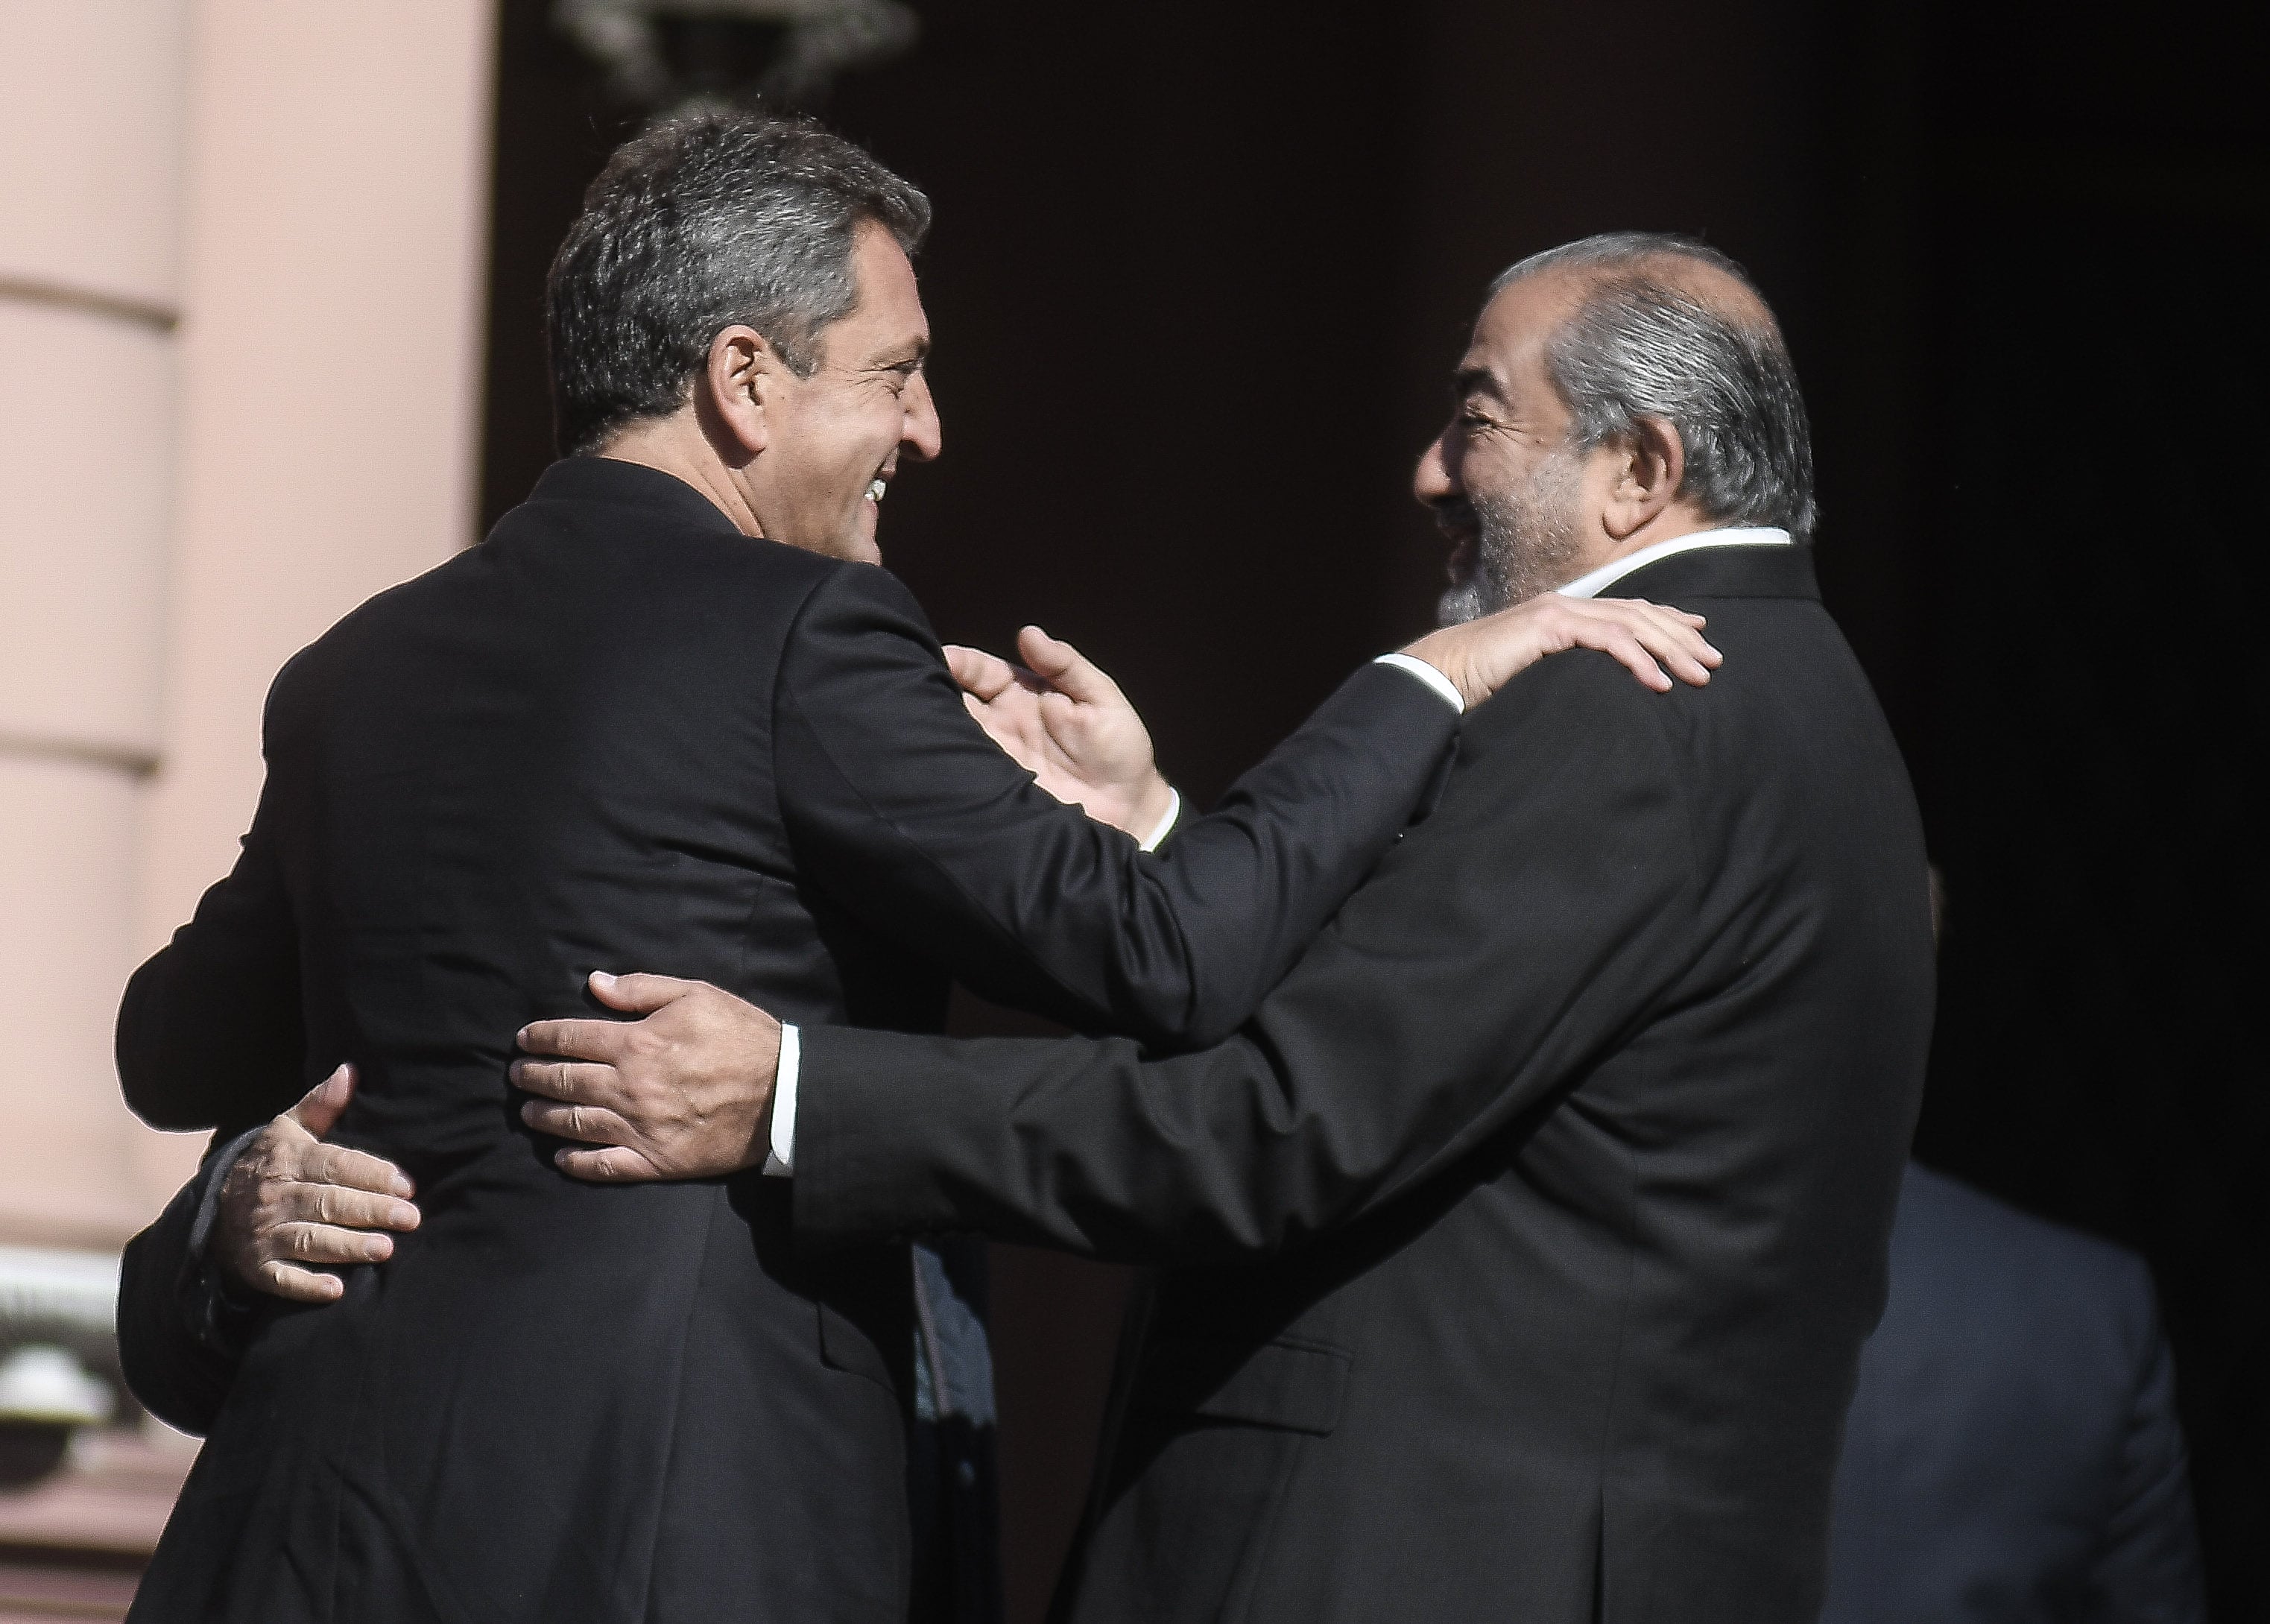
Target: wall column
point(241, 248)
point(90, 118)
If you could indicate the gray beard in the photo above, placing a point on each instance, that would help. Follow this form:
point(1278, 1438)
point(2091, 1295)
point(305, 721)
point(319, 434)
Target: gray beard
point(1527, 544)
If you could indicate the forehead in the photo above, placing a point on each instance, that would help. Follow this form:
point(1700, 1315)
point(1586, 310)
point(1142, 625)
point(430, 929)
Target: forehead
point(890, 308)
point(1509, 342)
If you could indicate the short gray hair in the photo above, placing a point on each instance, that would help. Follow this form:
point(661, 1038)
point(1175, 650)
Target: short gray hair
point(1640, 345)
point(699, 224)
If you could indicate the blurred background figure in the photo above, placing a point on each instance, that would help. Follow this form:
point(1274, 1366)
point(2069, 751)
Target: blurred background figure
point(2013, 1454)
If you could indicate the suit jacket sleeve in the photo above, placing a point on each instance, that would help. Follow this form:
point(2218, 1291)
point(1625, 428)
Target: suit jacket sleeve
point(210, 1032)
point(902, 809)
point(179, 1337)
point(209, 1035)
point(2146, 1564)
point(1525, 931)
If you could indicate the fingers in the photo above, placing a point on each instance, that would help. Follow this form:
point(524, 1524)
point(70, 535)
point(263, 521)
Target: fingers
point(1674, 638)
point(607, 1167)
point(599, 1041)
point(1681, 658)
point(577, 1082)
point(281, 1280)
point(324, 1243)
point(591, 1123)
point(640, 995)
point(321, 1107)
point(335, 1164)
point(982, 674)
point(1647, 639)
point(1674, 622)
point(341, 1204)
point(1618, 641)
point(300, 1222)
point(285, 1248)
point(289, 1202)
point(1067, 669)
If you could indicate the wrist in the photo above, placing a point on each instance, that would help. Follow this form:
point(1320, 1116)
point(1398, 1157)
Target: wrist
point(1150, 807)
point(1441, 651)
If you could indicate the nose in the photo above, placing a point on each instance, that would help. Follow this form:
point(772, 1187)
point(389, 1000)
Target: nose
point(1432, 482)
point(919, 434)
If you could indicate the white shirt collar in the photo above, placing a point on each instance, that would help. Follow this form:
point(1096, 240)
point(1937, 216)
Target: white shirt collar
point(1728, 536)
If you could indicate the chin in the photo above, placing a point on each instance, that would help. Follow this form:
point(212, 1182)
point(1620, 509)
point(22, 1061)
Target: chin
point(854, 542)
point(865, 548)
point(1460, 604)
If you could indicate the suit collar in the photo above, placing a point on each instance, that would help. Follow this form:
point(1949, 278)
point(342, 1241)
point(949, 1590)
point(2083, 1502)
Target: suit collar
point(582, 479)
point(1600, 580)
point(1734, 571)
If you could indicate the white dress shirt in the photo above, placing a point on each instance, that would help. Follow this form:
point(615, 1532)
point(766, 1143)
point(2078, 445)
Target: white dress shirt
point(1725, 535)
point(779, 1159)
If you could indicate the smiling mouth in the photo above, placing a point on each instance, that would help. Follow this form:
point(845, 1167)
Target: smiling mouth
point(1460, 529)
point(875, 488)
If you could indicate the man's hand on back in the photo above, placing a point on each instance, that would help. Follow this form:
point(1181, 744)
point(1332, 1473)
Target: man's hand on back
point(1484, 655)
point(1068, 724)
point(291, 1200)
point(685, 1093)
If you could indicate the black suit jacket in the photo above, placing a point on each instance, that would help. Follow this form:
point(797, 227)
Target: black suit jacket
point(2013, 1454)
point(1518, 1256)
point(619, 734)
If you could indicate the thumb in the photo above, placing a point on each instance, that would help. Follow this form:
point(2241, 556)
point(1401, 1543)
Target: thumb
point(977, 672)
point(320, 1108)
point(637, 994)
point(1066, 668)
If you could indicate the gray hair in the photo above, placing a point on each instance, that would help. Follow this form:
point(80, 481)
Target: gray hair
point(1640, 345)
point(698, 224)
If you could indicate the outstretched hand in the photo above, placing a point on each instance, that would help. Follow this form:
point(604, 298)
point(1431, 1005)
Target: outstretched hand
point(687, 1092)
point(1484, 655)
point(291, 1200)
point(1065, 722)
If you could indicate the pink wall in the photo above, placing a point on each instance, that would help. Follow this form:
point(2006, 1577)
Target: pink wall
point(240, 256)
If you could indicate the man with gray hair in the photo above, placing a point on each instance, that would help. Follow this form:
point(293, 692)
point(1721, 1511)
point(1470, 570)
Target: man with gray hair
point(666, 716)
point(1517, 1255)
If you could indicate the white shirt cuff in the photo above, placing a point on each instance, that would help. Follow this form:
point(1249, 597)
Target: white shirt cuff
point(779, 1159)
point(1429, 675)
point(1166, 824)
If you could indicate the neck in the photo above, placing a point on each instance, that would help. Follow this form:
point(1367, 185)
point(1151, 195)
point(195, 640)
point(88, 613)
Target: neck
point(1678, 519)
point(675, 445)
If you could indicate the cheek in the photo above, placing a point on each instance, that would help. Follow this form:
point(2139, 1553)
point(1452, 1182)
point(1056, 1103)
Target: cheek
point(868, 435)
point(1494, 466)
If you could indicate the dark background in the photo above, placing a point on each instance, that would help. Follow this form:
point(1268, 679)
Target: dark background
point(1196, 279)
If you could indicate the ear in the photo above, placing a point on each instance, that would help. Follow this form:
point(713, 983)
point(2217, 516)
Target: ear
point(1644, 477)
point(742, 376)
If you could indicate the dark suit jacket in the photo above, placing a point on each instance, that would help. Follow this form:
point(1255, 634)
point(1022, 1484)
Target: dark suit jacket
point(2013, 1454)
point(1518, 1254)
point(620, 734)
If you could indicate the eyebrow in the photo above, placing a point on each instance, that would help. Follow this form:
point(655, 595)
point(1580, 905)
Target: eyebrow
point(920, 352)
point(1475, 380)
